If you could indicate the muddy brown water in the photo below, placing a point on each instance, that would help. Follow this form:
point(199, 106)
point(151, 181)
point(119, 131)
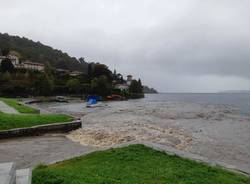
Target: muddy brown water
point(217, 132)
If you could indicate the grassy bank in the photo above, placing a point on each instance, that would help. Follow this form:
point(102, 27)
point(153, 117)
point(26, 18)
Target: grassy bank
point(133, 164)
point(15, 103)
point(10, 121)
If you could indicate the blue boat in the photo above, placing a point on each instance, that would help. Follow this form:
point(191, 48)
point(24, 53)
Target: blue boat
point(92, 100)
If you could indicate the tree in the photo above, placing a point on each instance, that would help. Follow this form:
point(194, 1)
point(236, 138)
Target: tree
point(5, 51)
point(43, 85)
point(140, 87)
point(101, 86)
point(94, 86)
point(14, 53)
point(37, 52)
point(74, 86)
point(48, 69)
point(81, 60)
point(6, 77)
point(136, 87)
point(90, 70)
point(6, 65)
point(101, 69)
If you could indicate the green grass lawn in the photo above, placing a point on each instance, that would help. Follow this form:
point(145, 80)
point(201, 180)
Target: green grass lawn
point(15, 103)
point(10, 121)
point(135, 164)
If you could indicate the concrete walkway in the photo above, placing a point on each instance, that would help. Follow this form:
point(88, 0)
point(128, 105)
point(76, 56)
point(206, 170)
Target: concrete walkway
point(7, 109)
point(30, 151)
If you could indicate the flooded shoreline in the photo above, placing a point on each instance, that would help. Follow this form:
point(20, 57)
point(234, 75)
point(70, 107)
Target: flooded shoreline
point(215, 131)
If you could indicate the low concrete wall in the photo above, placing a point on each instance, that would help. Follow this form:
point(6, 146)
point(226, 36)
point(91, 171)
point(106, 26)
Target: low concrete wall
point(41, 129)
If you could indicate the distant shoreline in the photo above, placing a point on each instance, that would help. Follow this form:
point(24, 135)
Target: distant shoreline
point(203, 93)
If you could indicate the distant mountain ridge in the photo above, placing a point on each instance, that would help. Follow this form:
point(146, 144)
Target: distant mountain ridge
point(236, 91)
point(149, 90)
point(38, 52)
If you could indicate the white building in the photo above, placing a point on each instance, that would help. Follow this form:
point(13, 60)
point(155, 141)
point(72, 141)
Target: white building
point(121, 86)
point(14, 59)
point(31, 66)
point(129, 79)
point(24, 65)
point(75, 73)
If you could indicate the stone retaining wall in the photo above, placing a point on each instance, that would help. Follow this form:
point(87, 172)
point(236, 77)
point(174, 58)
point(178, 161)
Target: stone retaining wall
point(41, 129)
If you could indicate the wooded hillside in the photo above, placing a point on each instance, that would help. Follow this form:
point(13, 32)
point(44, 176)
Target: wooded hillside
point(38, 52)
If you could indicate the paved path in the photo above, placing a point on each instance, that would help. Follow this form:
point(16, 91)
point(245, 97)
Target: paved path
point(7, 109)
point(31, 151)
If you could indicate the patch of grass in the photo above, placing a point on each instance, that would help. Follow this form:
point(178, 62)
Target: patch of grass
point(10, 121)
point(135, 164)
point(15, 103)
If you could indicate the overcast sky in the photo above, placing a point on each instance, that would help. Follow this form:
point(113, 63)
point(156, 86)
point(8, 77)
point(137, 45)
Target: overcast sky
point(172, 45)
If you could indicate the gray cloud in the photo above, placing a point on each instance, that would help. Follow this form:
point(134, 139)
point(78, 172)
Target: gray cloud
point(173, 45)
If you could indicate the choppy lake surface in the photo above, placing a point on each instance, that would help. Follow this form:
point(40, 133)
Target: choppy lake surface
point(239, 101)
point(214, 126)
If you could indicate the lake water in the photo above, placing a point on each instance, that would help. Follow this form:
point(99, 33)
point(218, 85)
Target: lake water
point(240, 101)
point(210, 125)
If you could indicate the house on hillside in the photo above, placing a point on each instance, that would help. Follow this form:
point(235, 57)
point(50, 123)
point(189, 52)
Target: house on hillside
point(126, 85)
point(68, 72)
point(75, 73)
point(14, 59)
point(121, 86)
point(129, 79)
point(24, 65)
point(31, 66)
point(62, 71)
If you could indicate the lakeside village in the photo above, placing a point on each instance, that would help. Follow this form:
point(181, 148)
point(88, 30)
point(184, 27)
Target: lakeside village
point(20, 78)
point(43, 144)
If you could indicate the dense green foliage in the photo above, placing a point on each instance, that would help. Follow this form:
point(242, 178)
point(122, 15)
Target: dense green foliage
point(136, 87)
point(101, 86)
point(19, 106)
point(37, 52)
point(94, 78)
point(73, 86)
point(6, 66)
point(34, 83)
point(10, 121)
point(133, 164)
point(25, 83)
